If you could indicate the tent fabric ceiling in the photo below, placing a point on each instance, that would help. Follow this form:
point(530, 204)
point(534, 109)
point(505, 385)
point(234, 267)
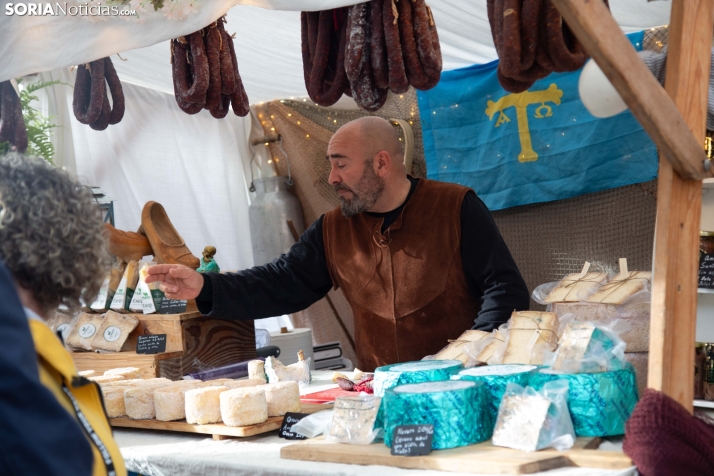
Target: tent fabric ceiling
point(267, 40)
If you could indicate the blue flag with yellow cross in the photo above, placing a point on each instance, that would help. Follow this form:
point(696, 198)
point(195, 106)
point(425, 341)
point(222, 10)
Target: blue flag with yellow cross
point(536, 146)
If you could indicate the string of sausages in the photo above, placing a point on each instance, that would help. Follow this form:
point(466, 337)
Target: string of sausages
point(205, 73)
point(369, 49)
point(90, 102)
point(12, 124)
point(532, 41)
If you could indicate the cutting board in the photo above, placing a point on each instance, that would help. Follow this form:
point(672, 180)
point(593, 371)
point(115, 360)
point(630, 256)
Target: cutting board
point(480, 458)
point(218, 430)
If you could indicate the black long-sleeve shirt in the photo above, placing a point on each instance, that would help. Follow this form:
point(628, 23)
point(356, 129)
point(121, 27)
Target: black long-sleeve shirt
point(299, 278)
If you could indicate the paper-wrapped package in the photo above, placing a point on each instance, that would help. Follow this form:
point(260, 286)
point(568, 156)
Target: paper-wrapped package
point(530, 335)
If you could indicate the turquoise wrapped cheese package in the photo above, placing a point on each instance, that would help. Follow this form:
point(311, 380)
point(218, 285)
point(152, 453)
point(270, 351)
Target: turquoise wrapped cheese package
point(458, 409)
point(495, 378)
point(389, 376)
point(600, 403)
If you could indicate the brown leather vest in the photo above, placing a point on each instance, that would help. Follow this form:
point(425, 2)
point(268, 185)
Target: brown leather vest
point(406, 287)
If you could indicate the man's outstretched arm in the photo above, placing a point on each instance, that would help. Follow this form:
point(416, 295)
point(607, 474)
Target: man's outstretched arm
point(291, 283)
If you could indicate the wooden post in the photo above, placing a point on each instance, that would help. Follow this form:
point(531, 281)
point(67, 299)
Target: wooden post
point(674, 290)
point(602, 37)
point(679, 205)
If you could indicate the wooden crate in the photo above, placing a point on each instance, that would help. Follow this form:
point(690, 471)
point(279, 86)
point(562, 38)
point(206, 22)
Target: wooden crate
point(193, 342)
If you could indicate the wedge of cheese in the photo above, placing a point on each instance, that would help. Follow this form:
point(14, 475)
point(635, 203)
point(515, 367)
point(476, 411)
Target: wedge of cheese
point(114, 331)
point(621, 287)
point(454, 351)
point(574, 286)
point(530, 334)
point(84, 330)
point(125, 290)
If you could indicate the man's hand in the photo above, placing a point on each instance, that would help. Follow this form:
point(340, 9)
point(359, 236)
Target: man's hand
point(177, 281)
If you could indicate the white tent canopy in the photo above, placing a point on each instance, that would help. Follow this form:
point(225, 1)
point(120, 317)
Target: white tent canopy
point(195, 165)
point(267, 39)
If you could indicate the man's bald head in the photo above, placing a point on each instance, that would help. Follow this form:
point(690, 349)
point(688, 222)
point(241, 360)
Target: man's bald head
point(374, 134)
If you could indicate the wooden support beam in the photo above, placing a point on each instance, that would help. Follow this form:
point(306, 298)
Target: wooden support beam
point(679, 138)
point(679, 205)
point(602, 37)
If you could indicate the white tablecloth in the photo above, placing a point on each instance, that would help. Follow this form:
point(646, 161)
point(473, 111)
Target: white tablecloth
point(163, 453)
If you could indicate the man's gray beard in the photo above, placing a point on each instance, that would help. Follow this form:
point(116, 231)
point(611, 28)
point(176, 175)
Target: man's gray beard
point(370, 188)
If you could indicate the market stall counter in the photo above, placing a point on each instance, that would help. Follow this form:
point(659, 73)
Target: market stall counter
point(149, 452)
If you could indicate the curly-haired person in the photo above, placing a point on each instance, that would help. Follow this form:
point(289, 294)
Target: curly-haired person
point(52, 244)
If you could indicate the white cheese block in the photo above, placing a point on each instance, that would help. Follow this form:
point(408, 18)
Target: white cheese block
point(139, 401)
point(170, 401)
point(282, 397)
point(530, 334)
point(575, 286)
point(251, 382)
point(244, 406)
point(114, 401)
point(135, 382)
point(621, 287)
point(454, 350)
point(203, 405)
point(636, 315)
point(126, 372)
point(84, 330)
point(102, 379)
point(86, 373)
point(256, 369)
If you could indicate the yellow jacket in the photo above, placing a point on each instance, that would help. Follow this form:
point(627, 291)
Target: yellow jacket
point(81, 399)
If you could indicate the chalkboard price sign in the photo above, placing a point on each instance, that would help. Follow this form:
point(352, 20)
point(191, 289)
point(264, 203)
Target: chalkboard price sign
point(151, 344)
point(171, 306)
point(288, 421)
point(412, 440)
point(706, 271)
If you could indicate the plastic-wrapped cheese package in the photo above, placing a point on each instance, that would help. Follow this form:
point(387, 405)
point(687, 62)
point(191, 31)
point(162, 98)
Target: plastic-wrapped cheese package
point(353, 420)
point(458, 410)
point(591, 347)
point(599, 403)
point(530, 420)
point(495, 379)
point(389, 376)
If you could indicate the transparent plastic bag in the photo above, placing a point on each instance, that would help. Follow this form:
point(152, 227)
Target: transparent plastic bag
point(488, 350)
point(313, 425)
point(531, 420)
point(353, 420)
point(593, 346)
point(575, 287)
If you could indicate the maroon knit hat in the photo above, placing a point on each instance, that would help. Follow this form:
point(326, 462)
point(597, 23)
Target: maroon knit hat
point(663, 439)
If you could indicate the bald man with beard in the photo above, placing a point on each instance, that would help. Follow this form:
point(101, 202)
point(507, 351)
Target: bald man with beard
point(419, 261)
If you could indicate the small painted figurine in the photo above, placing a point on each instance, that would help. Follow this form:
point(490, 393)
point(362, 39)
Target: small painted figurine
point(208, 264)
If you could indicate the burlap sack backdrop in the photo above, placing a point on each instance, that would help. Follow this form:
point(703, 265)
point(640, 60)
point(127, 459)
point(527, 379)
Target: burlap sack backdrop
point(547, 240)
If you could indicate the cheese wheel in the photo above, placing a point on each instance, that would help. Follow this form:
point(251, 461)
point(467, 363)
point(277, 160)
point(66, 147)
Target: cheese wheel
point(126, 372)
point(203, 405)
point(170, 401)
point(114, 401)
point(244, 406)
point(100, 379)
point(139, 401)
point(256, 369)
point(251, 382)
point(282, 397)
point(389, 376)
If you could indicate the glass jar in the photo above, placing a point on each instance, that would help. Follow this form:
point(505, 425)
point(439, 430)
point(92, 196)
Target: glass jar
point(700, 359)
point(709, 373)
